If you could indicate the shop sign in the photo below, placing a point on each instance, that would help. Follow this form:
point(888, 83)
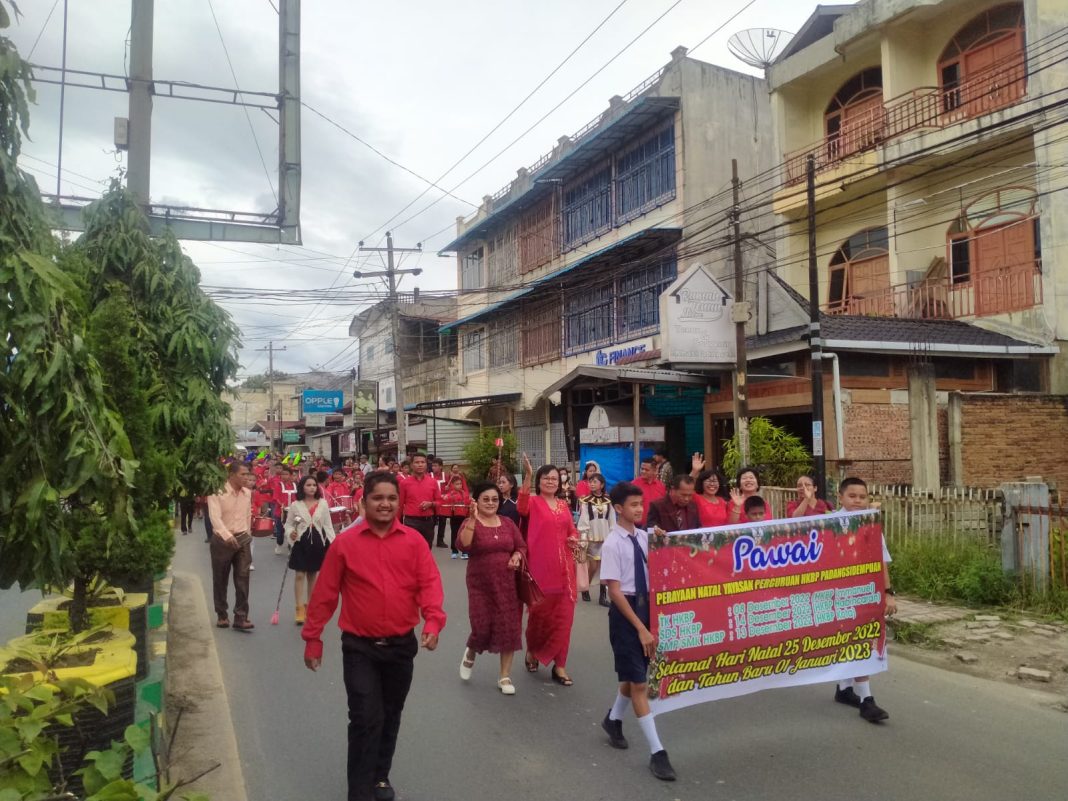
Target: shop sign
point(326, 401)
point(315, 420)
point(290, 435)
point(364, 404)
point(695, 320)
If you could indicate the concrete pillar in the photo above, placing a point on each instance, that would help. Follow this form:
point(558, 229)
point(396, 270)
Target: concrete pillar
point(1026, 531)
point(923, 426)
point(956, 455)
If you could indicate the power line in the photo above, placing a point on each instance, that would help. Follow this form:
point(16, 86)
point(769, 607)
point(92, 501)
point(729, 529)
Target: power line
point(40, 33)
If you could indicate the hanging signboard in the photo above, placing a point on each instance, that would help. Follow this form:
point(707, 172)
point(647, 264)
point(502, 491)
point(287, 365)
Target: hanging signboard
point(315, 420)
point(290, 435)
point(327, 401)
point(365, 404)
point(695, 321)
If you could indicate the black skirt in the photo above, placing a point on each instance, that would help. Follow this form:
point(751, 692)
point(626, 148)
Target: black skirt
point(308, 552)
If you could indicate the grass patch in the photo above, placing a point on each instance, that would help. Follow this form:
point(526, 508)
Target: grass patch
point(914, 633)
point(969, 574)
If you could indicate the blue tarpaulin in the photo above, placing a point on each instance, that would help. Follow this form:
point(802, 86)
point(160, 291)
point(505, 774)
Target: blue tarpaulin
point(616, 461)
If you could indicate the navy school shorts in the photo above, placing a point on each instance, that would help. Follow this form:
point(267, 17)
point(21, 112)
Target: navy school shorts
point(630, 660)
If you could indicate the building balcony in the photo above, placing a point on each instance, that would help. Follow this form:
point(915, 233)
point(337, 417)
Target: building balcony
point(1001, 85)
point(993, 291)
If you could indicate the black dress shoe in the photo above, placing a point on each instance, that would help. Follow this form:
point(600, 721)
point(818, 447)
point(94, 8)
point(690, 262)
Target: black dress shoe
point(614, 730)
point(660, 765)
point(384, 792)
point(586, 596)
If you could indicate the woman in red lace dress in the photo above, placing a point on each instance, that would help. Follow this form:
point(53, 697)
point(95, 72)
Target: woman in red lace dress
point(497, 549)
point(551, 543)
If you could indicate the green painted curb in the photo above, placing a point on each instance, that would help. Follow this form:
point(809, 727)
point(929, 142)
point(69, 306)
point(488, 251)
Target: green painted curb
point(150, 688)
point(155, 615)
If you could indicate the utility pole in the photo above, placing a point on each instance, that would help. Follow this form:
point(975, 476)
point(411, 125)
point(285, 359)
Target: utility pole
point(140, 136)
point(814, 334)
point(270, 385)
point(390, 275)
point(740, 316)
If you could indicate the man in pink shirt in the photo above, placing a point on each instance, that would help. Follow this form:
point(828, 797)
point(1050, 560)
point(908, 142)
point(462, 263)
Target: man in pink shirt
point(419, 496)
point(652, 488)
point(231, 545)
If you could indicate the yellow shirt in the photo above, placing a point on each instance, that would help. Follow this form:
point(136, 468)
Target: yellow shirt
point(231, 511)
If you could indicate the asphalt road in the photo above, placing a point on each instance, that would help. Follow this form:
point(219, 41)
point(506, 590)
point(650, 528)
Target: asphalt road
point(950, 736)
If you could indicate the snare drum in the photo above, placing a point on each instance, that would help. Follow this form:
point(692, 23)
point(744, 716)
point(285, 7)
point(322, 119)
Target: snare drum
point(263, 527)
point(338, 516)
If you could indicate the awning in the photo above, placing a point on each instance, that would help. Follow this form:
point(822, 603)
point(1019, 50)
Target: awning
point(456, 403)
point(591, 147)
point(594, 375)
point(330, 432)
point(629, 248)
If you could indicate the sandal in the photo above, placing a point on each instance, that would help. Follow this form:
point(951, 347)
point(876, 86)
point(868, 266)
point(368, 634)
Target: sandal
point(532, 664)
point(505, 686)
point(465, 666)
point(562, 679)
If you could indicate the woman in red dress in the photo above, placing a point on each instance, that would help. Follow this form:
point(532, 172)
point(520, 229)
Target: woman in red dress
point(551, 543)
point(807, 501)
point(496, 548)
point(746, 486)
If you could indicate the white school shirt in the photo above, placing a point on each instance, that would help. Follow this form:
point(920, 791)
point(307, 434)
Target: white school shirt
point(617, 558)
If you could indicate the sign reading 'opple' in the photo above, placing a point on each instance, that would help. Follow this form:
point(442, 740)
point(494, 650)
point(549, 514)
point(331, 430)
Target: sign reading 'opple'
point(321, 400)
point(695, 320)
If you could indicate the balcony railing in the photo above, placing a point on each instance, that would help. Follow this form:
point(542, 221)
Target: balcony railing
point(927, 107)
point(997, 291)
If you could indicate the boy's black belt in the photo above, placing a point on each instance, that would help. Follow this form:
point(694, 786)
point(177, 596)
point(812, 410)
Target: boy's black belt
point(382, 642)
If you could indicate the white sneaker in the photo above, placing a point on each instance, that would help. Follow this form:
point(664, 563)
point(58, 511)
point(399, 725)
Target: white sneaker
point(251, 567)
point(278, 550)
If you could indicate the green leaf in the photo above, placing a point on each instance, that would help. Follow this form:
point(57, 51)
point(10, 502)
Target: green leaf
point(109, 762)
point(118, 790)
point(137, 738)
point(31, 763)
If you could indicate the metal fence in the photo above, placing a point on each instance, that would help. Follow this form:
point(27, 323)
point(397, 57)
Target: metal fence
point(1039, 546)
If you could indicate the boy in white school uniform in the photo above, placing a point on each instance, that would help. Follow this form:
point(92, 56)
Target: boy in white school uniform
point(625, 569)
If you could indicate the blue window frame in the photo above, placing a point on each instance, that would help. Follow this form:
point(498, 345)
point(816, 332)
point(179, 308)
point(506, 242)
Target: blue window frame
point(645, 175)
point(588, 208)
point(588, 318)
point(639, 298)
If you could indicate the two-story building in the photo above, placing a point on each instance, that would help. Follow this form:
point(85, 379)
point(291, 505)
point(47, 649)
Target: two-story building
point(936, 133)
point(561, 271)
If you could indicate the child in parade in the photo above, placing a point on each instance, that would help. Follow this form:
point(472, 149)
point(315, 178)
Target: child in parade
point(856, 692)
point(285, 492)
point(596, 518)
point(310, 531)
point(755, 509)
point(455, 503)
point(625, 568)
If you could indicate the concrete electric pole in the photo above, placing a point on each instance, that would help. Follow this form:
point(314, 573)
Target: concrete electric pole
point(390, 275)
point(741, 317)
point(270, 384)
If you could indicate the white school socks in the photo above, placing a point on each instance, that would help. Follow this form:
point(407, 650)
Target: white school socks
point(863, 689)
point(845, 684)
point(648, 724)
point(619, 708)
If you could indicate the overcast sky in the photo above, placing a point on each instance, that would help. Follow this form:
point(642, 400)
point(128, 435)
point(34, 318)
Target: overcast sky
point(421, 80)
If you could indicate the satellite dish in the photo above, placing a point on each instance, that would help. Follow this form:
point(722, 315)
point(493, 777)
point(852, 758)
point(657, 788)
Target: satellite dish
point(758, 47)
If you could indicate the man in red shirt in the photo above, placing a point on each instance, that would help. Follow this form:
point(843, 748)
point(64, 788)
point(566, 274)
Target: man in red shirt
point(285, 492)
point(652, 488)
point(419, 496)
point(437, 472)
point(387, 578)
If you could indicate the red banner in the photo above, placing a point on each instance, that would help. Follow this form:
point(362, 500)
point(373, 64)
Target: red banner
point(785, 602)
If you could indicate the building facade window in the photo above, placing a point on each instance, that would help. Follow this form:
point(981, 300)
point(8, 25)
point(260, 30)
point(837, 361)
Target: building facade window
point(474, 349)
point(539, 334)
point(471, 276)
point(587, 208)
point(503, 259)
point(639, 297)
point(995, 251)
point(588, 318)
point(539, 235)
point(860, 274)
point(503, 343)
point(645, 176)
point(853, 120)
point(983, 67)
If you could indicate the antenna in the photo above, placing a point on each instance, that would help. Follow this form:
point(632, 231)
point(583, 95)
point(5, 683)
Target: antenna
point(758, 47)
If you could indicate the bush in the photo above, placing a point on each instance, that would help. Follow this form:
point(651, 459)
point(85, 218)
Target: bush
point(780, 456)
point(939, 571)
point(129, 555)
point(480, 453)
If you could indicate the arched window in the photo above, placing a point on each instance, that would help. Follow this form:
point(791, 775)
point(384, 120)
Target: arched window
point(860, 274)
point(994, 248)
point(853, 120)
point(983, 67)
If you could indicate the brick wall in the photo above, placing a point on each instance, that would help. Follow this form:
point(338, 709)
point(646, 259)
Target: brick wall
point(1010, 437)
point(877, 442)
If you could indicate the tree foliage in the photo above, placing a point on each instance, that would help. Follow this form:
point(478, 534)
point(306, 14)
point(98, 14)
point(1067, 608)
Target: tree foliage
point(263, 380)
point(113, 367)
point(780, 456)
point(479, 453)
